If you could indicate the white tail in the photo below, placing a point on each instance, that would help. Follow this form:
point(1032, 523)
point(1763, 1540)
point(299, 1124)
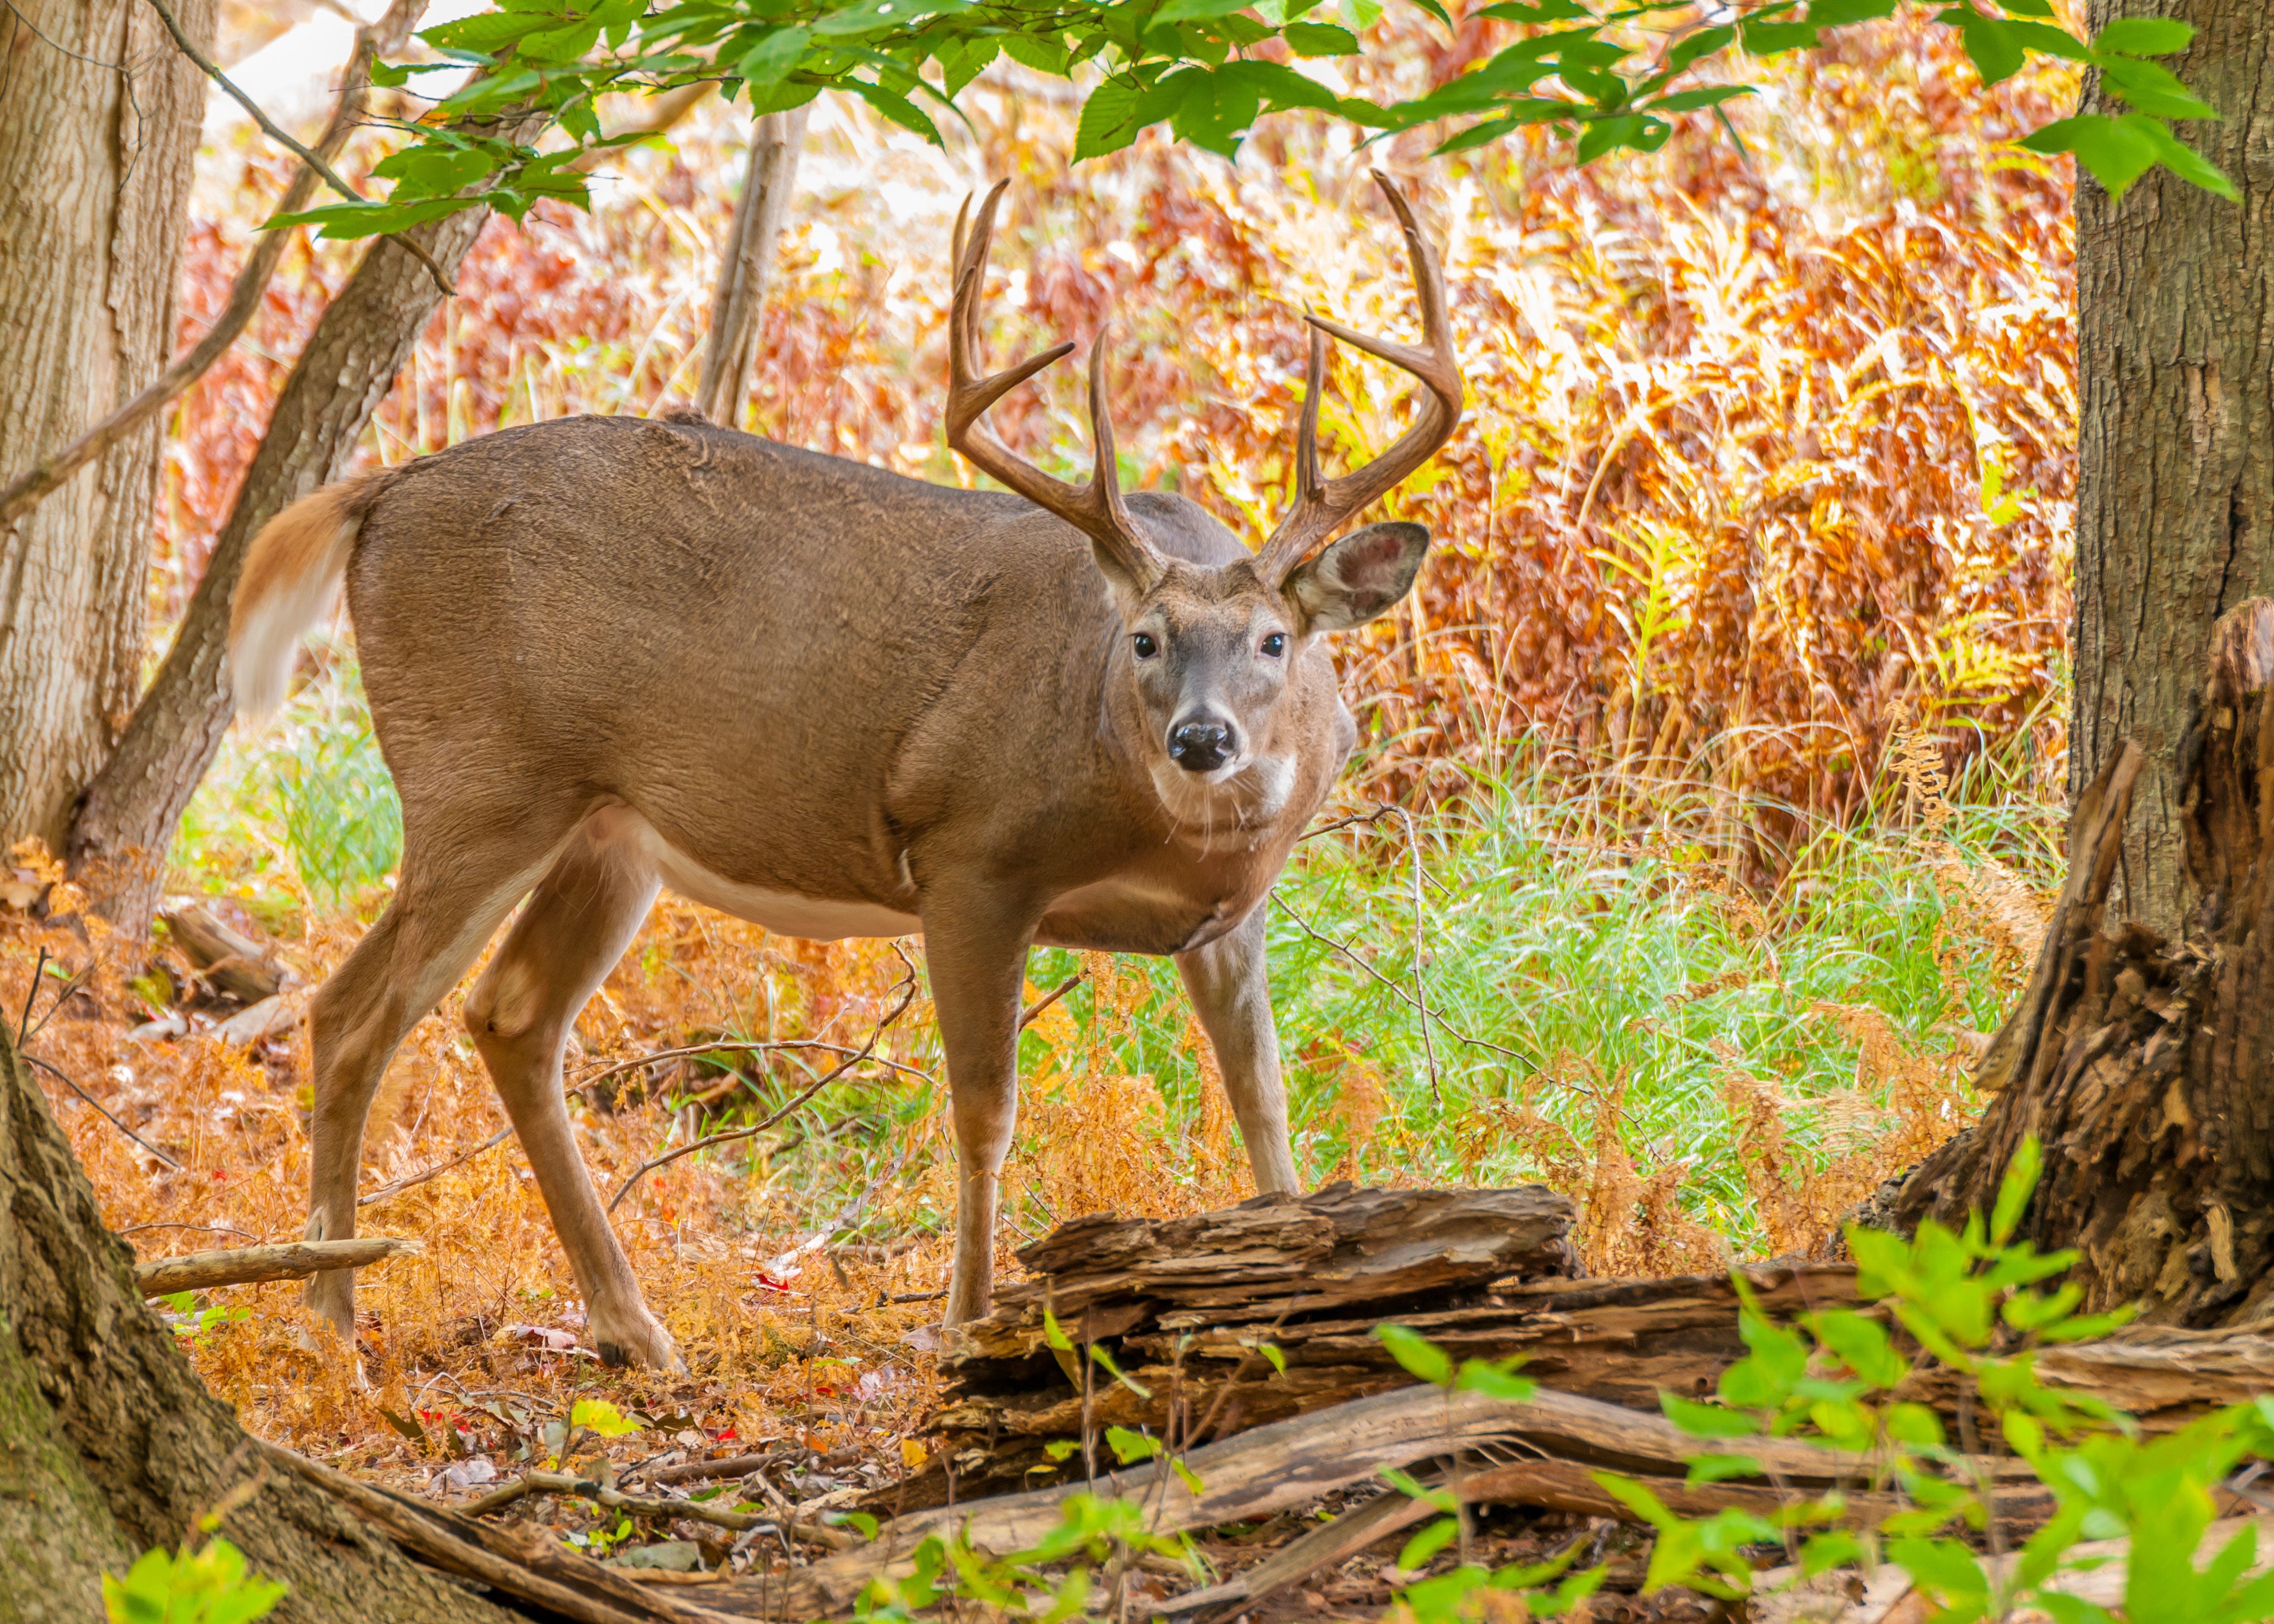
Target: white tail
point(290, 580)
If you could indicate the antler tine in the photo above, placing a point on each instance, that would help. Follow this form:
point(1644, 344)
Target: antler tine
point(1094, 509)
point(1322, 504)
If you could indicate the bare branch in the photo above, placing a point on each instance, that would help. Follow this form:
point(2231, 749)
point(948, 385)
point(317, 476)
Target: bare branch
point(276, 133)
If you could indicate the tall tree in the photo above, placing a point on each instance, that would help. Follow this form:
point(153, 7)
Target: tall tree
point(98, 120)
point(2175, 506)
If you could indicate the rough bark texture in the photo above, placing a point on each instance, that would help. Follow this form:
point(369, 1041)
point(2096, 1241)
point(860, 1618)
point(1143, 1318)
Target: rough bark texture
point(98, 117)
point(2175, 509)
point(109, 1444)
point(117, 846)
point(2145, 1067)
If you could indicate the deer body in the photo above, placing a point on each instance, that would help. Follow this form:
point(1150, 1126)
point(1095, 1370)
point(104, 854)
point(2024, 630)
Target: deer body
point(603, 655)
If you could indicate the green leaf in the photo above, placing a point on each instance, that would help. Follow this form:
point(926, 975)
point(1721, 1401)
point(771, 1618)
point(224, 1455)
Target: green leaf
point(1099, 1357)
point(1193, 10)
point(1707, 1420)
point(408, 1426)
point(1495, 1381)
point(1536, 12)
point(1421, 1357)
point(2192, 167)
point(1990, 44)
point(1770, 39)
point(1943, 1566)
point(1320, 40)
point(1411, 1487)
point(1840, 13)
point(1424, 1544)
point(2153, 88)
point(1128, 1446)
point(1702, 44)
point(1059, 1449)
point(1719, 1468)
point(1109, 120)
point(2015, 1188)
point(1270, 1350)
point(2143, 36)
point(2116, 154)
point(771, 59)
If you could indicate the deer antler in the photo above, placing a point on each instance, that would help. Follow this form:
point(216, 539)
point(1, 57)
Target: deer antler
point(1322, 504)
point(1093, 508)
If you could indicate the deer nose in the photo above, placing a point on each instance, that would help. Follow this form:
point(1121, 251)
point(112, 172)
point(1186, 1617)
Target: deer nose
point(1201, 745)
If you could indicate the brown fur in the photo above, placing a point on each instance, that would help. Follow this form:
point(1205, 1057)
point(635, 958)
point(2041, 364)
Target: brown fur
point(605, 654)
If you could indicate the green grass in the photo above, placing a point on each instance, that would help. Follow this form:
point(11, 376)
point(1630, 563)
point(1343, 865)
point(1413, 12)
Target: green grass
point(299, 812)
point(1542, 940)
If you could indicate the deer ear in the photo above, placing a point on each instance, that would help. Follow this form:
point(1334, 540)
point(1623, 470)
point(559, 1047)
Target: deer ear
point(1358, 576)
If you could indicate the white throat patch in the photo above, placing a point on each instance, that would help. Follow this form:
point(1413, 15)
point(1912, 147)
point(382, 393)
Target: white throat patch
point(1235, 804)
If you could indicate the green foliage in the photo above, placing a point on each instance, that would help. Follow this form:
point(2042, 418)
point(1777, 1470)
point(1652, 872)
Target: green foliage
point(1981, 1303)
point(1606, 74)
point(207, 1586)
point(196, 1324)
point(1089, 1530)
point(599, 1416)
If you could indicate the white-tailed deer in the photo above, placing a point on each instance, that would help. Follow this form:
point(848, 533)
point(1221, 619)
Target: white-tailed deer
point(606, 654)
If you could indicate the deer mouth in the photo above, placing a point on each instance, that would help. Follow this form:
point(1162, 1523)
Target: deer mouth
point(1244, 795)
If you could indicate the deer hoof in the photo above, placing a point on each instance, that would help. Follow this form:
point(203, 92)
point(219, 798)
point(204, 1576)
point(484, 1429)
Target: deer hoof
point(636, 1339)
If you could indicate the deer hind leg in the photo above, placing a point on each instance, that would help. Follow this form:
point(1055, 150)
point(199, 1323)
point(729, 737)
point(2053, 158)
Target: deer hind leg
point(1232, 996)
point(977, 959)
point(404, 966)
point(577, 924)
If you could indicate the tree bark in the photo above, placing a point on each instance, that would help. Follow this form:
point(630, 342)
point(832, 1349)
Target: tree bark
point(2175, 506)
point(2145, 1066)
point(109, 1444)
point(118, 843)
point(98, 120)
point(731, 353)
point(380, 39)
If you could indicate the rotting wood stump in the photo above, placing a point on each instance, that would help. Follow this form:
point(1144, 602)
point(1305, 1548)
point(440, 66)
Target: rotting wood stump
point(2144, 1066)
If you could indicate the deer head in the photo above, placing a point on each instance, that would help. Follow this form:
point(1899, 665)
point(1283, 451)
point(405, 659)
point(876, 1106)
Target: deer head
point(1205, 651)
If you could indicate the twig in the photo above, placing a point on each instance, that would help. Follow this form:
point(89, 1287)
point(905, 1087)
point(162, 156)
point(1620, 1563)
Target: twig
point(59, 1077)
point(1451, 1030)
point(1027, 1016)
point(655, 1505)
point(1420, 987)
point(31, 996)
point(741, 1047)
point(209, 1228)
point(436, 1171)
point(908, 997)
point(276, 134)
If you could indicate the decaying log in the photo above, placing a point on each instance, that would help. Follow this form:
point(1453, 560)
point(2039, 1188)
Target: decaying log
point(1294, 1462)
point(1623, 1341)
point(228, 959)
point(2146, 1067)
point(244, 1265)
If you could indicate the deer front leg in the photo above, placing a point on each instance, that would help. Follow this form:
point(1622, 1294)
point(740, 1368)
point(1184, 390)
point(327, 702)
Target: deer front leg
point(1225, 982)
point(976, 953)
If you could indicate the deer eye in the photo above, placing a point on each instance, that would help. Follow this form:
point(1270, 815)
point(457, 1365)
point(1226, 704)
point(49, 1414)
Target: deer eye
point(1145, 646)
point(1276, 644)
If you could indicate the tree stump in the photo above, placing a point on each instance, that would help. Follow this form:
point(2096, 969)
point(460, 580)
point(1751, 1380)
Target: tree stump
point(2144, 1066)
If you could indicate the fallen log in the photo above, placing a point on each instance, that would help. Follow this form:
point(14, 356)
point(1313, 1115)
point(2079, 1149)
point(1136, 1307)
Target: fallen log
point(244, 1265)
point(1294, 1462)
point(225, 958)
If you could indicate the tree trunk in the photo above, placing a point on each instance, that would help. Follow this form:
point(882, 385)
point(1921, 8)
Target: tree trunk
point(731, 355)
point(94, 176)
point(2175, 508)
point(2145, 1066)
point(109, 1444)
point(118, 845)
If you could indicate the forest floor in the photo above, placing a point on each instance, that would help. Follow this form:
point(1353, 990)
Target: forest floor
point(1715, 1073)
